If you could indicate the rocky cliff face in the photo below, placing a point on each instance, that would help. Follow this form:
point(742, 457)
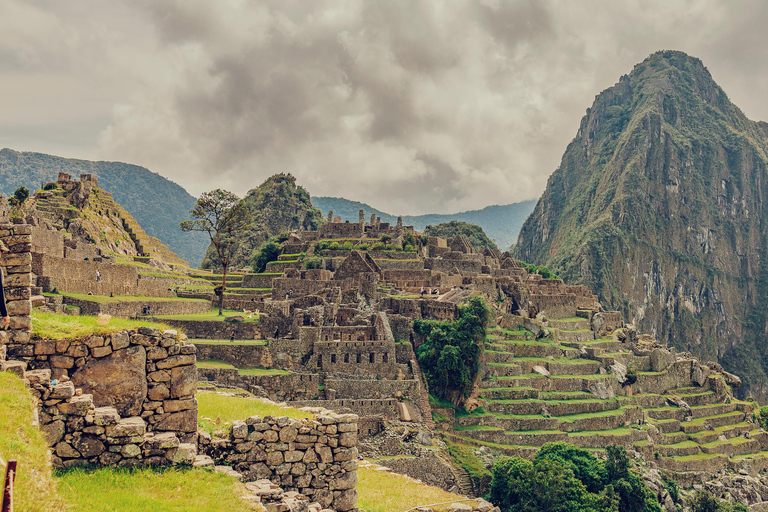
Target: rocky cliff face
point(277, 206)
point(659, 206)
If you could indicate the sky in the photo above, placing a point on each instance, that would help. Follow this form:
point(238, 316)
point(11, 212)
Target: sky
point(413, 106)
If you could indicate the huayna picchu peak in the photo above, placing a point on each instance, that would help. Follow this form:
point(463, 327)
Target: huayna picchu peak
point(659, 206)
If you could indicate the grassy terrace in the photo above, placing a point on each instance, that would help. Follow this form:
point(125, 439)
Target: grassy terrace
point(56, 326)
point(210, 316)
point(249, 371)
point(105, 299)
point(227, 342)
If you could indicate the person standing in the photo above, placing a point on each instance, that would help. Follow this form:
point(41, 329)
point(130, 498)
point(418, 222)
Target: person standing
point(98, 276)
point(232, 336)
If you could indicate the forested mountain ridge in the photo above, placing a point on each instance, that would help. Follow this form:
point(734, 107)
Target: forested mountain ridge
point(157, 203)
point(500, 222)
point(659, 206)
point(276, 206)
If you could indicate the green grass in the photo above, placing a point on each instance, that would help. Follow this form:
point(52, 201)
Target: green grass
point(230, 408)
point(57, 326)
point(150, 490)
point(380, 491)
point(464, 455)
point(105, 299)
point(19, 440)
point(227, 342)
point(250, 371)
point(210, 316)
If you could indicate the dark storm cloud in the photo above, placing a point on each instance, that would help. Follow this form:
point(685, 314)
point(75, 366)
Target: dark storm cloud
point(412, 105)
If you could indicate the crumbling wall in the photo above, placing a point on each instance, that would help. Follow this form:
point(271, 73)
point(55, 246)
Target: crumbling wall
point(316, 457)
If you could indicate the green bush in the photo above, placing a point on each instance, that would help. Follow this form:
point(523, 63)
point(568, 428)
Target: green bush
point(631, 374)
point(21, 194)
point(348, 246)
point(672, 488)
point(408, 248)
point(563, 477)
point(50, 185)
point(379, 246)
point(313, 263)
point(386, 238)
point(269, 252)
point(334, 246)
point(449, 356)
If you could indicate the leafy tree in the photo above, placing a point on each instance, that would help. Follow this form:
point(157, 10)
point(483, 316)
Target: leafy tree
point(585, 466)
point(314, 263)
point(449, 357)
point(223, 216)
point(705, 502)
point(268, 252)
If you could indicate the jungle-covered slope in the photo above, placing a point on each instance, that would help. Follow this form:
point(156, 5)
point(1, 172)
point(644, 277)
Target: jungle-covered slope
point(659, 206)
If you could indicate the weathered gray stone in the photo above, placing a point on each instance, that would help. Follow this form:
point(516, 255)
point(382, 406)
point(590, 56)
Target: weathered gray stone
point(183, 421)
point(541, 370)
point(126, 427)
point(600, 390)
point(183, 381)
point(174, 361)
point(346, 500)
point(77, 405)
point(344, 481)
point(620, 371)
point(62, 390)
point(105, 416)
point(88, 446)
point(239, 429)
point(53, 432)
point(185, 453)
point(118, 379)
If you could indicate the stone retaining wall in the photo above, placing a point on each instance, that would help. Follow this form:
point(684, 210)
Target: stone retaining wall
point(17, 283)
point(316, 457)
point(213, 330)
point(294, 386)
point(126, 398)
point(131, 308)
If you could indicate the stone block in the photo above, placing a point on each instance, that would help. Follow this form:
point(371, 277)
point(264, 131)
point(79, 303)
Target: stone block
point(133, 426)
point(19, 307)
point(158, 392)
point(45, 348)
point(101, 351)
point(342, 454)
point(288, 434)
point(17, 293)
point(77, 405)
point(105, 416)
point(53, 432)
point(150, 331)
point(325, 453)
point(275, 458)
point(13, 280)
point(62, 361)
point(118, 379)
point(185, 453)
point(16, 367)
point(10, 259)
point(21, 322)
point(239, 429)
point(145, 341)
point(65, 450)
point(181, 405)
point(94, 341)
point(120, 340)
point(88, 446)
point(42, 377)
point(62, 390)
point(182, 421)
point(160, 376)
point(130, 451)
point(174, 361)
point(346, 500)
point(155, 353)
point(344, 481)
point(183, 380)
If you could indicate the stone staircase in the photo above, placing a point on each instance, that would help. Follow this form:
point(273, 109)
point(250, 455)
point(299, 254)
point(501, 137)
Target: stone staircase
point(562, 388)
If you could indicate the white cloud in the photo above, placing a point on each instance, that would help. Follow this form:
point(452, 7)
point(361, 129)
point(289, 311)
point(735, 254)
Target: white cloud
point(412, 106)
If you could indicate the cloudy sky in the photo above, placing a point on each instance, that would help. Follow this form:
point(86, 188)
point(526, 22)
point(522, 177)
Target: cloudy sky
point(412, 106)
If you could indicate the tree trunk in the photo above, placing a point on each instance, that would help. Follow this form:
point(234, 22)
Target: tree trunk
point(223, 287)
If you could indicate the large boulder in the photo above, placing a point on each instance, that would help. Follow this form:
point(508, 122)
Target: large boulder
point(119, 380)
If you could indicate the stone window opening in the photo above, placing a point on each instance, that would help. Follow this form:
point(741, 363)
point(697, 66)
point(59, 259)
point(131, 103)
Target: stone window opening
point(333, 358)
point(385, 358)
point(359, 359)
point(373, 358)
point(319, 360)
point(346, 358)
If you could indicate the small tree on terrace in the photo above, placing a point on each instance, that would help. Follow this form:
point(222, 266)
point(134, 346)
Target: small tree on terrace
point(223, 216)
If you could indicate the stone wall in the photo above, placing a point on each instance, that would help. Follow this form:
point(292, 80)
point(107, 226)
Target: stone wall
point(126, 398)
point(259, 280)
point(554, 306)
point(79, 276)
point(241, 356)
point(210, 330)
point(316, 457)
point(17, 283)
point(294, 386)
point(131, 308)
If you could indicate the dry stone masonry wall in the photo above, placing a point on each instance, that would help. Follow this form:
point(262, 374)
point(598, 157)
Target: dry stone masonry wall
point(316, 457)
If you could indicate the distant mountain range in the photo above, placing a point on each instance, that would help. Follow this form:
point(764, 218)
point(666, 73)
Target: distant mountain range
point(500, 222)
point(156, 203)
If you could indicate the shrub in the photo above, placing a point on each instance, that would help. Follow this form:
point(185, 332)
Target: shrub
point(269, 252)
point(379, 246)
point(672, 488)
point(21, 194)
point(631, 374)
point(334, 246)
point(348, 246)
point(314, 263)
point(50, 185)
point(386, 238)
point(449, 356)
point(408, 248)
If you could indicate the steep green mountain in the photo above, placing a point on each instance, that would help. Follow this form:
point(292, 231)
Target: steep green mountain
point(660, 205)
point(155, 202)
point(500, 222)
point(277, 206)
point(475, 233)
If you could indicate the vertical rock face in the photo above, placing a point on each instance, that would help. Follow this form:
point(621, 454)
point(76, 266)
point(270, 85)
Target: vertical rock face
point(119, 380)
point(659, 207)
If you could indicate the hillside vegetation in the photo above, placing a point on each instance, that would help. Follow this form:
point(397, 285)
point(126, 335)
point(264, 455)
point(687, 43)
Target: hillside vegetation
point(500, 222)
point(475, 233)
point(276, 206)
point(155, 202)
point(659, 207)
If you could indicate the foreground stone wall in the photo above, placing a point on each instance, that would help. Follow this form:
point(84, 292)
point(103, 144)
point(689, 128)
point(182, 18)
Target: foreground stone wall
point(316, 457)
point(142, 373)
point(132, 308)
point(17, 264)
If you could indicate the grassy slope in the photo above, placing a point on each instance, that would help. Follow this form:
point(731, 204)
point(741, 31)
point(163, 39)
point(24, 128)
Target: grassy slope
point(380, 491)
point(56, 326)
point(152, 490)
point(19, 440)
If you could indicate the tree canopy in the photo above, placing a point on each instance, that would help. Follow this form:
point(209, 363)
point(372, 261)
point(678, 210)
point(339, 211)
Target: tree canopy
point(475, 233)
